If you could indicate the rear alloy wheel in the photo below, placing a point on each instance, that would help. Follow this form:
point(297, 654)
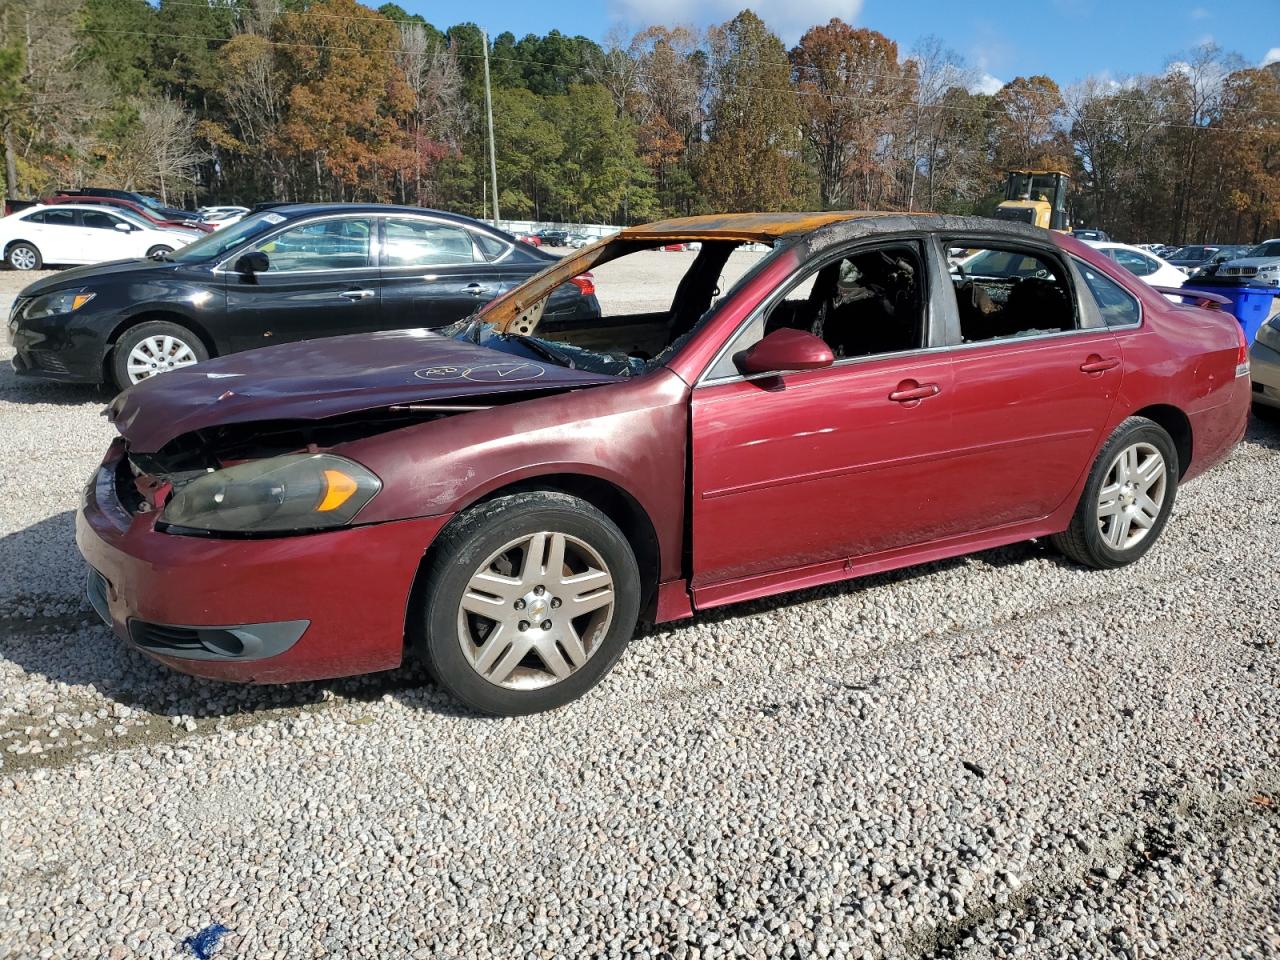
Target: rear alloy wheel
point(24, 256)
point(153, 348)
point(529, 601)
point(1127, 499)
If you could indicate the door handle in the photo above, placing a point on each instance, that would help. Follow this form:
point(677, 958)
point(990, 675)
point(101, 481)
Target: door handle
point(1097, 364)
point(357, 294)
point(475, 289)
point(909, 391)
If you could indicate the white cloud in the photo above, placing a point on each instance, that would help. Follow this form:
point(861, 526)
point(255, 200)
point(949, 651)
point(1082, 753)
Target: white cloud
point(788, 18)
point(1271, 56)
point(986, 84)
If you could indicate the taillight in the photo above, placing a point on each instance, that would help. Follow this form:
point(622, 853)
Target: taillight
point(1242, 354)
point(585, 283)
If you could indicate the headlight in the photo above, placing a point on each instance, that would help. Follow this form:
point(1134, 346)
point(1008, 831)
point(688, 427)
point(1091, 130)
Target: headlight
point(53, 304)
point(296, 492)
point(1269, 335)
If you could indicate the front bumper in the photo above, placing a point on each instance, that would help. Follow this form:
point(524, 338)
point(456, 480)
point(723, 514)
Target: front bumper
point(1264, 371)
point(53, 348)
point(345, 592)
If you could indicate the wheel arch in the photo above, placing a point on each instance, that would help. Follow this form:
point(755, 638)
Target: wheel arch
point(1178, 425)
point(17, 240)
point(608, 497)
point(147, 316)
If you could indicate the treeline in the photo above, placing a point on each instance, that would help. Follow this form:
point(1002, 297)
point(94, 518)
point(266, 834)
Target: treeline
point(247, 100)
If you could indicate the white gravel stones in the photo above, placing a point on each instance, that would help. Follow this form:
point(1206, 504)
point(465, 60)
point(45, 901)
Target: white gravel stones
point(999, 756)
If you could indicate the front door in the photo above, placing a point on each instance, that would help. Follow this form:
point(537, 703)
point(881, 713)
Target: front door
point(321, 281)
point(796, 477)
point(433, 273)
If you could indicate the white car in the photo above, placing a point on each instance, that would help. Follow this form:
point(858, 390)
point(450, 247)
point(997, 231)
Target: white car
point(221, 217)
point(1142, 263)
point(68, 233)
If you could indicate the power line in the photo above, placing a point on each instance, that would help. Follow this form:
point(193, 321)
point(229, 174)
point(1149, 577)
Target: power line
point(902, 102)
point(378, 18)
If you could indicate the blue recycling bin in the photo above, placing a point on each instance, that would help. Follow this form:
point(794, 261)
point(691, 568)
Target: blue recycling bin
point(1251, 304)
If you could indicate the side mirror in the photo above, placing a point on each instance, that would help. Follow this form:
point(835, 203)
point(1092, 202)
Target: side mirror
point(787, 350)
point(254, 262)
point(123, 227)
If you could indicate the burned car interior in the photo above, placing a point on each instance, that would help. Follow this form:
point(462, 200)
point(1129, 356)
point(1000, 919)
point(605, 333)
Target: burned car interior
point(1003, 293)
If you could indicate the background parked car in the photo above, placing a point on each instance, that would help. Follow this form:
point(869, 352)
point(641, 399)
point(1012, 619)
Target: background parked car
point(1141, 263)
point(67, 233)
point(293, 272)
point(151, 203)
point(554, 237)
point(1192, 256)
point(576, 241)
point(218, 217)
point(146, 213)
point(1228, 252)
point(1261, 264)
point(1089, 233)
point(532, 239)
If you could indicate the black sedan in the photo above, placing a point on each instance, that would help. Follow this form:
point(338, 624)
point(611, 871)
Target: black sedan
point(294, 272)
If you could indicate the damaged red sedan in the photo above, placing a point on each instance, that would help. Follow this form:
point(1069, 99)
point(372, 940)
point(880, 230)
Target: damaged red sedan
point(506, 500)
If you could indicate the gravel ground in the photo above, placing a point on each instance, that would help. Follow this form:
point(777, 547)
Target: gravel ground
point(1002, 755)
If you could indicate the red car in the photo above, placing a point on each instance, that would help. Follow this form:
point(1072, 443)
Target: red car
point(137, 208)
point(507, 505)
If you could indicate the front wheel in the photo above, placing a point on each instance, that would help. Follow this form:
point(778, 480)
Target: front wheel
point(1127, 499)
point(151, 348)
point(159, 249)
point(529, 601)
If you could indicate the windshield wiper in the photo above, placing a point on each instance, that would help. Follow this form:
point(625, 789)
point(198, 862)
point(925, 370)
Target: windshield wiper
point(537, 346)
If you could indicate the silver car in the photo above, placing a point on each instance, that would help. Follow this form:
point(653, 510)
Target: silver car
point(1259, 265)
point(1264, 369)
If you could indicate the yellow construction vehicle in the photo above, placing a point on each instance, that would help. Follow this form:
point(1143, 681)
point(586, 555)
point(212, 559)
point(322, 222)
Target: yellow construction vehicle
point(1038, 197)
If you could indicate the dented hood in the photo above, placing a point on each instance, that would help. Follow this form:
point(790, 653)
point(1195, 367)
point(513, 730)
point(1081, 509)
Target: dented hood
point(314, 379)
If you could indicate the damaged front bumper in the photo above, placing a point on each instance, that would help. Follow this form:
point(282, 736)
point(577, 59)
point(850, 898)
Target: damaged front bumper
point(269, 610)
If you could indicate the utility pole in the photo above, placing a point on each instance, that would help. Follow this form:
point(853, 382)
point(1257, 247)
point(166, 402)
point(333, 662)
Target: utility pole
point(488, 109)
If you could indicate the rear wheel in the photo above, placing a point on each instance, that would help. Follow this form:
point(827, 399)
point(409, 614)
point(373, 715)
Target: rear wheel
point(1127, 499)
point(158, 249)
point(151, 348)
point(24, 256)
point(529, 601)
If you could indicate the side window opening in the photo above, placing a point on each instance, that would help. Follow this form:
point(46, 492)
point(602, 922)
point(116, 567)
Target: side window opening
point(866, 302)
point(1007, 292)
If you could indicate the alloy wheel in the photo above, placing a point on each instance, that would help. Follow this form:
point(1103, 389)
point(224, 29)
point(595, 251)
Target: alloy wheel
point(1132, 495)
point(536, 611)
point(22, 258)
point(158, 354)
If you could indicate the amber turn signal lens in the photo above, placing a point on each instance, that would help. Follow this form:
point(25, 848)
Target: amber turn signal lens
point(338, 489)
point(81, 299)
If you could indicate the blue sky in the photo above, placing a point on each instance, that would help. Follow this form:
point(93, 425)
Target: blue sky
point(1067, 39)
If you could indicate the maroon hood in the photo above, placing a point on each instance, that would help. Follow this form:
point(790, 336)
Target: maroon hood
point(314, 379)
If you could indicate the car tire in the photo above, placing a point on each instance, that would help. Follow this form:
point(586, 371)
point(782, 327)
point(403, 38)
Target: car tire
point(1127, 499)
point(163, 345)
point(513, 663)
point(23, 256)
point(159, 248)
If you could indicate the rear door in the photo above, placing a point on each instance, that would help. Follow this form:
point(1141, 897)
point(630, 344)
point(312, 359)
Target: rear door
point(321, 281)
point(433, 273)
point(56, 234)
point(1036, 375)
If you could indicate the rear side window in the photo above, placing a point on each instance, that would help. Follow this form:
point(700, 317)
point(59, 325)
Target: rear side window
point(491, 247)
point(1005, 292)
point(1135, 263)
point(53, 218)
point(423, 243)
point(1117, 305)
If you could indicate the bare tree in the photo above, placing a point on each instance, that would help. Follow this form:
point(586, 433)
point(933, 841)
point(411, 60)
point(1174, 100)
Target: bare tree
point(440, 111)
point(162, 152)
